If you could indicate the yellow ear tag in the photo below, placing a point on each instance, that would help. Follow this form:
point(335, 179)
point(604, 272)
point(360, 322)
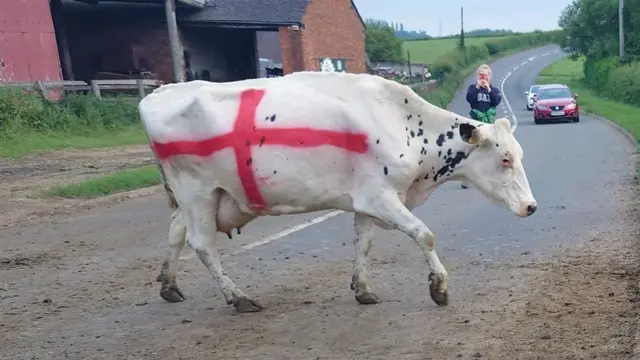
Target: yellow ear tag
point(472, 139)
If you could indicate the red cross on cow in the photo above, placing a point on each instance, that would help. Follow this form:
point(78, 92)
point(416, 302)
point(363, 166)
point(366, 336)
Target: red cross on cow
point(245, 135)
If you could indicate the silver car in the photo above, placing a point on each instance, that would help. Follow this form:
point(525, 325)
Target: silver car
point(533, 90)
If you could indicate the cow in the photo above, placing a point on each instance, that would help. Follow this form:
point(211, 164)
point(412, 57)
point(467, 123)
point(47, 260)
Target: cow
point(310, 141)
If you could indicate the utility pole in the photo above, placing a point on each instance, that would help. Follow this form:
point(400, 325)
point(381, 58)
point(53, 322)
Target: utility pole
point(621, 26)
point(174, 40)
point(462, 27)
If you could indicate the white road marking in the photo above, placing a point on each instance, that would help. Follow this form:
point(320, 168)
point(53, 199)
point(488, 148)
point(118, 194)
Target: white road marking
point(524, 63)
point(289, 231)
point(514, 69)
point(506, 101)
point(276, 236)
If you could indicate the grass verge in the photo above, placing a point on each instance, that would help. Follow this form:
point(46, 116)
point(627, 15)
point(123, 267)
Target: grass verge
point(30, 124)
point(119, 181)
point(567, 71)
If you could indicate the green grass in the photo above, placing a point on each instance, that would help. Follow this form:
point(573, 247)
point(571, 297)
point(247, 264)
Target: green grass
point(31, 142)
point(116, 182)
point(427, 51)
point(567, 71)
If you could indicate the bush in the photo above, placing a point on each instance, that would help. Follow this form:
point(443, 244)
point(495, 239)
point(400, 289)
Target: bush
point(596, 72)
point(623, 84)
point(22, 112)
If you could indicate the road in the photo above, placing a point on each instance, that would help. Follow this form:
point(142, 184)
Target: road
point(555, 285)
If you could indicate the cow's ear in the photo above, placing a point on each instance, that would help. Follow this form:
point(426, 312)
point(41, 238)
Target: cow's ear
point(469, 133)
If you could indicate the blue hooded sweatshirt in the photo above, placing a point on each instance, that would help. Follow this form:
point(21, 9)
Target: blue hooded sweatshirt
point(481, 99)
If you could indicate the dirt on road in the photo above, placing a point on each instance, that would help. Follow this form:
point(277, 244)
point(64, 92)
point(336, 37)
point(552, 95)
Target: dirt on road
point(23, 180)
point(96, 298)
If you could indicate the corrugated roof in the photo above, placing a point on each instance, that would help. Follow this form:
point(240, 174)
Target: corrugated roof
point(277, 12)
point(227, 12)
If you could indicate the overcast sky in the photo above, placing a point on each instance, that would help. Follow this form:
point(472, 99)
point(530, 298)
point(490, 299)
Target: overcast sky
point(516, 15)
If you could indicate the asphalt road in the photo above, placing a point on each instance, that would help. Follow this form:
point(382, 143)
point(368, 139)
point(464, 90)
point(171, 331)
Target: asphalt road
point(103, 263)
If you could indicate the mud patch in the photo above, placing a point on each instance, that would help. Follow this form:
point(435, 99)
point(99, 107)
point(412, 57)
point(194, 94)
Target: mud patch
point(22, 181)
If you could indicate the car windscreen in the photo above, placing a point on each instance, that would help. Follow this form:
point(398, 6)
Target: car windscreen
point(534, 89)
point(560, 93)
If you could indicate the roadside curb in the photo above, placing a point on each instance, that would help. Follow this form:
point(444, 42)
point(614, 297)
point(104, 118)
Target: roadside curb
point(614, 125)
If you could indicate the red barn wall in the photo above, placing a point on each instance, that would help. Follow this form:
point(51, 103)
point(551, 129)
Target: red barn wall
point(28, 49)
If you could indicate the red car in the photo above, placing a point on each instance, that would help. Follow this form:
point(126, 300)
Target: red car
point(555, 102)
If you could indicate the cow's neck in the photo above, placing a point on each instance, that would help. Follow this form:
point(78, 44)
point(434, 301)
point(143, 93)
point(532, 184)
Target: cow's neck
point(434, 138)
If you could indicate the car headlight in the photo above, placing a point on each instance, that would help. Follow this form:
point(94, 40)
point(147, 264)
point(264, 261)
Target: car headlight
point(542, 107)
point(571, 106)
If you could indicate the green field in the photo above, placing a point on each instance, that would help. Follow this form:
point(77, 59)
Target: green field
point(567, 71)
point(427, 51)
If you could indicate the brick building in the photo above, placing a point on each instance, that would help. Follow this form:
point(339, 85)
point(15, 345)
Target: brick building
point(221, 40)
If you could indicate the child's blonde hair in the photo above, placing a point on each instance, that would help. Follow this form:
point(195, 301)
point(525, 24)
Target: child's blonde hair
point(484, 68)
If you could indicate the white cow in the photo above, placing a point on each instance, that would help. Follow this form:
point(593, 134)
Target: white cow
point(309, 141)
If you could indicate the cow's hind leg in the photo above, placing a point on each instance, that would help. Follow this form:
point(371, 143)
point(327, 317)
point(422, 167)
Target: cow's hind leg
point(177, 232)
point(388, 208)
point(201, 236)
point(364, 228)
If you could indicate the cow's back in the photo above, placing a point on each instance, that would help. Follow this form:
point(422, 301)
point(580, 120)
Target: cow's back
point(302, 141)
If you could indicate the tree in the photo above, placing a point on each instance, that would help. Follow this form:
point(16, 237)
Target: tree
point(381, 42)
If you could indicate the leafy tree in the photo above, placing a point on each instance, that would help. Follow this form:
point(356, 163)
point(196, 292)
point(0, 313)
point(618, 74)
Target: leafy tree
point(381, 42)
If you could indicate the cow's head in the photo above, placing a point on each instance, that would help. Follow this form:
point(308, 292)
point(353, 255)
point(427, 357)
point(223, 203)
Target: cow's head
point(495, 166)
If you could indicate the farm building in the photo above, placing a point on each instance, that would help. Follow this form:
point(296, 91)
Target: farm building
point(217, 40)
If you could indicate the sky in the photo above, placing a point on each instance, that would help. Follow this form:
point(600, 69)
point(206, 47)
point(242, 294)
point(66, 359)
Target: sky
point(516, 15)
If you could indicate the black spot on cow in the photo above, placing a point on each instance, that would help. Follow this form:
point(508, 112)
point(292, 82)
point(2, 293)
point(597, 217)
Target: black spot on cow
point(420, 132)
point(440, 140)
point(386, 170)
point(426, 177)
point(266, 118)
point(275, 171)
point(406, 129)
point(497, 145)
point(420, 123)
point(409, 117)
point(273, 118)
point(423, 151)
point(262, 140)
point(426, 141)
point(353, 170)
point(406, 101)
point(407, 142)
point(439, 153)
point(450, 166)
point(401, 155)
point(449, 152)
point(378, 141)
point(249, 161)
point(450, 134)
point(420, 162)
point(412, 134)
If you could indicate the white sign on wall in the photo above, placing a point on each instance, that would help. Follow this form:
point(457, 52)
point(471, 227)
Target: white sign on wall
point(332, 65)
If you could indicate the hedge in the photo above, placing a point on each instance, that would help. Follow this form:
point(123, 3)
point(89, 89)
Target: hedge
point(452, 68)
point(614, 80)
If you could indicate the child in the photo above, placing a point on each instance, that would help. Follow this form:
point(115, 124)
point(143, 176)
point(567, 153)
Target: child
point(483, 97)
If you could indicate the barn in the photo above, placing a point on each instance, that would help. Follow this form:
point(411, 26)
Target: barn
point(217, 40)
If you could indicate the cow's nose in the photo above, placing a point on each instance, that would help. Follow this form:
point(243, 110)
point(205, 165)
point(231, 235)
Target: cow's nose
point(531, 209)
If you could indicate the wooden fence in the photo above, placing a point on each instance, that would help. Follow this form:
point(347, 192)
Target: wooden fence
point(95, 87)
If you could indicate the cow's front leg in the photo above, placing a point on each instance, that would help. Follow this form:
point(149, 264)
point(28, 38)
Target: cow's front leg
point(177, 231)
point(364, 228)
point(389, 208)
point(201, 236)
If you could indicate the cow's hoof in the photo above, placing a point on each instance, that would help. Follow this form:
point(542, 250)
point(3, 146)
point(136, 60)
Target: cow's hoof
point(171, 293)
point(244, 304)
point(367, 298)
point(440, 298)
